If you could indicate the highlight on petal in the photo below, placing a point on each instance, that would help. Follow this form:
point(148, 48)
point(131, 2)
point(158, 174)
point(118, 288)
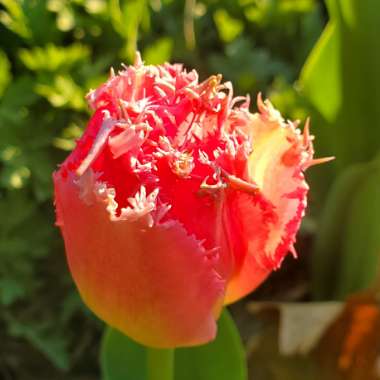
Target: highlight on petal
point(117, 264)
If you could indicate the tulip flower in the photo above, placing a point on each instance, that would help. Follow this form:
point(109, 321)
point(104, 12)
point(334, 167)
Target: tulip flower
point(178, 200)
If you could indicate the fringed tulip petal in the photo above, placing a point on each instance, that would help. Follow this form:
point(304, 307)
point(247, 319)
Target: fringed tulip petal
point(250, 219)
point(154, 282)
point(269, 225)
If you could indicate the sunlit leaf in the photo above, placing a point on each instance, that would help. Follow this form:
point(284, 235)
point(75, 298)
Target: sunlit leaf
point(53, 58)
point(63, 92)
point(321, 77)
point(342, 76)
point(126, 18)
point(228, 27)
point(14, 18)
point(5, 72)
point(65, 19)
point(159, 52)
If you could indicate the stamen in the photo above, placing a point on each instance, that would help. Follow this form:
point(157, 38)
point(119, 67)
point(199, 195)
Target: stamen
point(170, 116)
point(239, 184)
point(190, 91)
point(160, 91)
point(306, 133)
point(138, 61)
point(164, 84)
point(123, 110)
point(182, 165)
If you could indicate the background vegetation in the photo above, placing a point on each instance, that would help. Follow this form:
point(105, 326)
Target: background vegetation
point(53, 51)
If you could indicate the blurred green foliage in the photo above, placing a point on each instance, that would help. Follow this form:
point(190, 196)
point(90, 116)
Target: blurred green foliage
point(53, 51)
point(341, 81)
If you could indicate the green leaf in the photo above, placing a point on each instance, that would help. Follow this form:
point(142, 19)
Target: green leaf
point(5, 72)
point(62, 92)
point(19, 94)
point(127, 19)
point(18, 208)
point(14, 18)
point(122, 358)
point(329, 236)
point(222, 359)
point(347, 243)
point(341, 79)
point(320, 75)
point(53, 58)
point(159, 52)
point(30, 20)
point(359, 267)
point(10, 290)
point(228, 27)
point(50, 343)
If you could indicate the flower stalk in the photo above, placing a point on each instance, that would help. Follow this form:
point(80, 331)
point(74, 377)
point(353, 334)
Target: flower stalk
point(160, 364)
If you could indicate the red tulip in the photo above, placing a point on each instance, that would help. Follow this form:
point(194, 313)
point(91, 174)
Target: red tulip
point(177, 200)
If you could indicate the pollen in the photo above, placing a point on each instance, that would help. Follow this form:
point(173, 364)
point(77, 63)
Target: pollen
point(182, 165)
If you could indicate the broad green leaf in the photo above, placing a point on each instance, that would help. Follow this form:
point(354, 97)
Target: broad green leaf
point(121, 358)
point(327, 250)
point(360, 264)
point(223, 359)
point(320, 76)
point(342, 79)
point(347, 244)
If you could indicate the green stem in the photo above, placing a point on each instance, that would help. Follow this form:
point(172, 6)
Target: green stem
point(160, 364)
